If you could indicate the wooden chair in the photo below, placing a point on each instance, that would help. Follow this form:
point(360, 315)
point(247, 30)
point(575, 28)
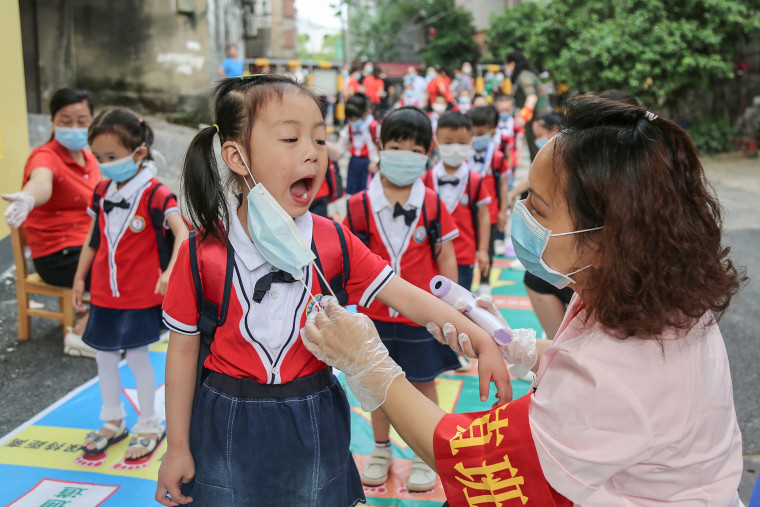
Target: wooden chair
point(27, 284)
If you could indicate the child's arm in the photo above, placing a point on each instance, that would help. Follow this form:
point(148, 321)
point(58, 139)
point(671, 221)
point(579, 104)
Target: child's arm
point(423, 308)
point(484, 237)
point(179, 229)
point(86, 256)
point(177, 466)
point(374, 155)
point(447, 262)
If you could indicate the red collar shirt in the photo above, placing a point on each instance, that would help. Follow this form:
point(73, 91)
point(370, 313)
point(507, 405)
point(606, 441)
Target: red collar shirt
point(457, 200)
point(261, 340)
point(61, 222)
point(405, 247)
point(126, 265)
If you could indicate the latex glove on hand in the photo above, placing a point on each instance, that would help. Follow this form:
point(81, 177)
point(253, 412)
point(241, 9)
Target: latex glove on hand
point(350, 342)
point(520, 353)
point(21, 203)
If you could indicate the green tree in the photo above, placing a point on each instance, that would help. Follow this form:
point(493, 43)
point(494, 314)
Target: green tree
point(656, 49)
point(376, 37)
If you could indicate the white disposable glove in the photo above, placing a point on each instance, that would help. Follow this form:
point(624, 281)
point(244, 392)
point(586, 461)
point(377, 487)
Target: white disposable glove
point(350, 342)
point(21, 203)
point(520, 353)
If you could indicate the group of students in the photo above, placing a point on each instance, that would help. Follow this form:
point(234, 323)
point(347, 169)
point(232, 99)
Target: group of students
point(245, 374)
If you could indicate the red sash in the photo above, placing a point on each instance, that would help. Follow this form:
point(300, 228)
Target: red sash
point(489, 459)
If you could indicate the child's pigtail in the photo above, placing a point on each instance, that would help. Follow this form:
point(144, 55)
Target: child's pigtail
point(203, 188)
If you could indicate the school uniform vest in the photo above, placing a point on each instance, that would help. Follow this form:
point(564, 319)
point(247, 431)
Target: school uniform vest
point(126, 268)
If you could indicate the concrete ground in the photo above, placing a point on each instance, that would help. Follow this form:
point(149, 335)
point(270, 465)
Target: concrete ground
point(35, 373)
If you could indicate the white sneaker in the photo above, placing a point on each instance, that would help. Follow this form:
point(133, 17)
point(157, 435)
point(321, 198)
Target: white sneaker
point(74, 346)
point(422, 478)
point(376, 471)
point(499, 247)
point(484, 290)
point(516, 265)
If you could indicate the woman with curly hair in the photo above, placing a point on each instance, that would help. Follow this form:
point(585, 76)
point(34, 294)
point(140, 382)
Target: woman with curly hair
point(632, 403)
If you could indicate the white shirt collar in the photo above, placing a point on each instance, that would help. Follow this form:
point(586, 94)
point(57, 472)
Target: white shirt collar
point(379, 201)
point(244, 247)
point(440, 172)
point(132, 186)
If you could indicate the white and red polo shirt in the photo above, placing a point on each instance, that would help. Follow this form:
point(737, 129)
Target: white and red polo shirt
point(405, 247)
point(126, 265)
point(261, 340)
point(457, 197)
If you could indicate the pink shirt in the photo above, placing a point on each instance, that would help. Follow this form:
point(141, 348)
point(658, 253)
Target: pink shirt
point(620, 423)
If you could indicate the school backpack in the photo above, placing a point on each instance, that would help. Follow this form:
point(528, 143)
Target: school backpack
point(212, 261)
point(357, 213)
point(164, 237)
point(334, 181)
point(472, 197)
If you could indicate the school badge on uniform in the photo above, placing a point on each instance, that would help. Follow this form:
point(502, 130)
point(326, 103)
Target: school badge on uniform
point(420, 234)
point(465, 199)
point(137, 224)
point(314, 302)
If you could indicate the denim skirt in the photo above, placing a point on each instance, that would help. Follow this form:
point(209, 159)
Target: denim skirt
point(272, 445)
point(416, 351)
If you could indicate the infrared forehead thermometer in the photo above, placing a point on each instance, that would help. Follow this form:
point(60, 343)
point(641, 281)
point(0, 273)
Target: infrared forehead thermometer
point(449, 292)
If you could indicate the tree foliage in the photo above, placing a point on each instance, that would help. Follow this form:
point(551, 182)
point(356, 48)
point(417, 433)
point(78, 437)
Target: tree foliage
point(655, 49)
point(381, 34)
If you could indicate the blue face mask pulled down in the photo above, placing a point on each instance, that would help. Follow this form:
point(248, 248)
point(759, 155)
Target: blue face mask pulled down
point(71, 138)
point(504, 116)
point(274, 232)
point(120, 170)
point(357, 125)
point(480, 143)
point(530, 238)
point(402, 167)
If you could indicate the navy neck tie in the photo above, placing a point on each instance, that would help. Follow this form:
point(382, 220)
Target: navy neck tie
point(409, 215)
point(109, 205)
point(264, 283)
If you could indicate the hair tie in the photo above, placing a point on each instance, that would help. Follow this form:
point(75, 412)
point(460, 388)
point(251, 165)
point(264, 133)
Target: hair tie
point(216, 127)
point(140, 120)
point(650, 116)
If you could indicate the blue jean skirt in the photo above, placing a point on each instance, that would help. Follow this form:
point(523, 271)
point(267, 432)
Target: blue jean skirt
point(414, 349)
point(112, 329)
point(272, 445)
point(358, 172)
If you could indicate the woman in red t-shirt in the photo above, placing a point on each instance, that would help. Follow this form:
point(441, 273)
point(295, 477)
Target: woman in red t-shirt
point(59, 179)
point(374, 86)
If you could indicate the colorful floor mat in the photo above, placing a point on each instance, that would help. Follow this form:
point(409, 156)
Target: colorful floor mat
point(41, 464)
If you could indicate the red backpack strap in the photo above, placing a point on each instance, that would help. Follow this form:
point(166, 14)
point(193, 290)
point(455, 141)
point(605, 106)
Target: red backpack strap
point(497, 165)
point(211, 261)
point(373, 129)
point(336, 269)
point(100, 189)
point(357, 213)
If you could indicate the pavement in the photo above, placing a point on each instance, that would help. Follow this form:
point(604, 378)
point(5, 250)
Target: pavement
point(35, 373)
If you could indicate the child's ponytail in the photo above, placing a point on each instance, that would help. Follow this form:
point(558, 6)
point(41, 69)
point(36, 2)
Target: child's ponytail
point(202, 186)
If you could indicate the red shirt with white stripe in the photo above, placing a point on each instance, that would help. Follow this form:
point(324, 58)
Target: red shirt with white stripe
point(491, 158)
point(126, 265)
point(405, 248)
point(457, 201)
point(261, 340)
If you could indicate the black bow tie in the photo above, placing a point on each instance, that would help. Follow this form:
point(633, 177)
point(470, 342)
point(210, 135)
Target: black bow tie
point(109, 205)
point(478, 159)
point(409, 215)
point(453, 183)
point(264, 283)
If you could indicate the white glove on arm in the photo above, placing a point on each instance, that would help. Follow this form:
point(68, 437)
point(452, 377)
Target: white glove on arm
point(21, 203)
point(350, 342)
point(520, 353)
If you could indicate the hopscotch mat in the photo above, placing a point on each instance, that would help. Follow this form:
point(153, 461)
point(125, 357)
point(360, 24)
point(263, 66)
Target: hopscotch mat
point(41, 464)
